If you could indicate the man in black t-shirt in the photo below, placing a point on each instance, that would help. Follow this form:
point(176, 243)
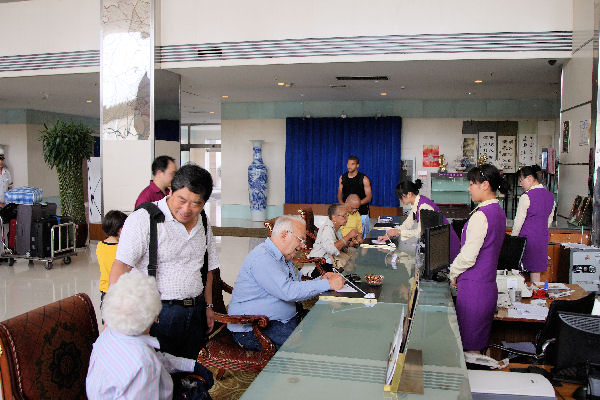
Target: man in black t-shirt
point(355, 182)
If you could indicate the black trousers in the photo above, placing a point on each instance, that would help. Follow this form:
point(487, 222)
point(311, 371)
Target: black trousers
point(181, 331)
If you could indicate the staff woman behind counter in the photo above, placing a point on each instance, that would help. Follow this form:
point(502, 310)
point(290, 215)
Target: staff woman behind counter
point(473, 272)
point(534, 216)
point(408, 193)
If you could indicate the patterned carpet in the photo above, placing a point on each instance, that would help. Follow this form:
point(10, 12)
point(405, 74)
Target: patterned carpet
point(232, 386)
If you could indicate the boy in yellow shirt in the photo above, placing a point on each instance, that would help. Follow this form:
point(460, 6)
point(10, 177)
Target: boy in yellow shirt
point(107, 249)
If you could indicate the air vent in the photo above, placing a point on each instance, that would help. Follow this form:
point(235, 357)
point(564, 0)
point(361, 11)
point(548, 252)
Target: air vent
point(210, 52)
point(362, 78)
point(337, 86)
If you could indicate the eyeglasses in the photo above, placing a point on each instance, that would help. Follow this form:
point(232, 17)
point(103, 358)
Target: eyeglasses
point(303, 241)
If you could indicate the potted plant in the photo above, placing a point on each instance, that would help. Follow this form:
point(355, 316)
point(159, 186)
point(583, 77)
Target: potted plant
point(65, 146)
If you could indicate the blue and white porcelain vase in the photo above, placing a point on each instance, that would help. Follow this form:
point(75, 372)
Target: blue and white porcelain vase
point(257, 184)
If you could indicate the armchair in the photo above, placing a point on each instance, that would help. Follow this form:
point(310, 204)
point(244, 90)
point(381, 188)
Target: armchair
point(45, 352)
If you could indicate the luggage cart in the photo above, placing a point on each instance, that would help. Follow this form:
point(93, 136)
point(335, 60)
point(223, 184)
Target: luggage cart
point(57, 250)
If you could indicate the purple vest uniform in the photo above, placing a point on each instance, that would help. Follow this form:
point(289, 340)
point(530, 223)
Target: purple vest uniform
point(454, 242)
point(535, 229)
point(477, 292)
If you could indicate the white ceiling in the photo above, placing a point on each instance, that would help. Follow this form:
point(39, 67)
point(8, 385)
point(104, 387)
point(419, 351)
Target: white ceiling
point(202, 88)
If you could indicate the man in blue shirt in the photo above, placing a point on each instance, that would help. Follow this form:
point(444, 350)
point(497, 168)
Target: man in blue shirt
point(269, 284)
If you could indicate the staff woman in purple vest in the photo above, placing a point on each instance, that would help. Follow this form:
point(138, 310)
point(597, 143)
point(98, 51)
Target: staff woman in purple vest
point(534, 216)
point(408, 193)
point(473, 271)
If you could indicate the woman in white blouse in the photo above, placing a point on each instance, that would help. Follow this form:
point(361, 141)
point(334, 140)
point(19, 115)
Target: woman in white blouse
point(534, 216)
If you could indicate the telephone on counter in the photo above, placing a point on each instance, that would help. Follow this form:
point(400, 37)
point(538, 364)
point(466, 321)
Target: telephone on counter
point(512, 280)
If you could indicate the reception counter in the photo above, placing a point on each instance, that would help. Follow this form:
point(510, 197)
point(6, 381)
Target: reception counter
point(340, 350)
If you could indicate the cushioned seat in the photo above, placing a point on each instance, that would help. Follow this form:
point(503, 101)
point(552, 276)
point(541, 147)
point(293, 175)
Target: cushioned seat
point(45, 352)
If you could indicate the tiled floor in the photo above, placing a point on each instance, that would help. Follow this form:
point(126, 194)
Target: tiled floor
point(24, 287)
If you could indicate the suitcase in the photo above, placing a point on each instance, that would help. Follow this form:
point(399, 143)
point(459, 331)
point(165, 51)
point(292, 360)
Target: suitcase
point(12, 233)
point(26, 216)
point(40, 237)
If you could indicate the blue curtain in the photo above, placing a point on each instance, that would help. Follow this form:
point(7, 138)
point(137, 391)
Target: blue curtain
point(317, 150)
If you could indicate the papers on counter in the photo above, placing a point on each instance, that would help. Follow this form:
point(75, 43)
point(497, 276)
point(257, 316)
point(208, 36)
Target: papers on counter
point(346, 289)
point(535, 310)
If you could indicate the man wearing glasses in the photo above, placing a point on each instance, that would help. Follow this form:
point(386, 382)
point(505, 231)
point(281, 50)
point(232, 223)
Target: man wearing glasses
point(269, 284)
point(354, 220)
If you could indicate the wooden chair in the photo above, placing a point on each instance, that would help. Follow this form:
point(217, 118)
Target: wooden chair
point(311, 230)
point(221, 351)
point(45, 352)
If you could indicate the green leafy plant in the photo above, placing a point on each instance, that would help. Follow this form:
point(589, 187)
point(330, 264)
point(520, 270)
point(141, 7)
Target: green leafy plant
point(65, 146)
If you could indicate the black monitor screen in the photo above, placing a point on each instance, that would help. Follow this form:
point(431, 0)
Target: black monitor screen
point(578, 343)
point(430, 218)
point(511, 252)
point(437, 250)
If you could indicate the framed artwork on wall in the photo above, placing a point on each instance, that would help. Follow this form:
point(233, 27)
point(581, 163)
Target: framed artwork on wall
point(506, 153)
point(487, 145)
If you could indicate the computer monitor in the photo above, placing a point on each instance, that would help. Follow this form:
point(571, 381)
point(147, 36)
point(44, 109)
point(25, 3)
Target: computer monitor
point(578, 344)
point(430, 218)
point(511, 252)
point(437, 250)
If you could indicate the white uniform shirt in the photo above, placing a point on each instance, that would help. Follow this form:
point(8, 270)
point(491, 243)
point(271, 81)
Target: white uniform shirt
point(522, 208)
point(410, 228)
point(5, 182)
point(180, 254)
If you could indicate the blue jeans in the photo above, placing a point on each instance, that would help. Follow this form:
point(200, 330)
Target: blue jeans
point(181, 331)
point(366, 224)
point(277, 331)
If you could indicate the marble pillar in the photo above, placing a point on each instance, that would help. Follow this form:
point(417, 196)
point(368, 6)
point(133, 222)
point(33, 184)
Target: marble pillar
point(130, 89)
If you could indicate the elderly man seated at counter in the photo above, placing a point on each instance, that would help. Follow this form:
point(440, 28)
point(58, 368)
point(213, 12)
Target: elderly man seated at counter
point(330, 241)
point(269, 284)
point(354, 222)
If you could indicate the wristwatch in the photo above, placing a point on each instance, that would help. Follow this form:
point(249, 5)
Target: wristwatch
point(210, 306)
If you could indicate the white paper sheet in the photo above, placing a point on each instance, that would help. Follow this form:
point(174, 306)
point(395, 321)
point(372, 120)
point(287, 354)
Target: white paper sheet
point(528, 311)
point(346, 289)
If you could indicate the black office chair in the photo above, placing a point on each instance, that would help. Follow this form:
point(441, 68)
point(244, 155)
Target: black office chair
point(511, 253)
point(543, 350)
point(458, 225)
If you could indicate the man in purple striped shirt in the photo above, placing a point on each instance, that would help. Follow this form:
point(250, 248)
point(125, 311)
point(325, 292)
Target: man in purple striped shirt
point(124, 363)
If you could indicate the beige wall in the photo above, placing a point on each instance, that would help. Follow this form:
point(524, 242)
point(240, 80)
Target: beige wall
point(416, 132)
point(237, 155)
point(13, 137)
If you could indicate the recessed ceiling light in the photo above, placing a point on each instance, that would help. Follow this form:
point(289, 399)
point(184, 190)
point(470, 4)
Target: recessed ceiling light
point(211, 112)
point(88, 101)
point(225, 96)
point(402, 87)
point(478, 81)
point(383, 93)
point(280, 83)
point(469, 93)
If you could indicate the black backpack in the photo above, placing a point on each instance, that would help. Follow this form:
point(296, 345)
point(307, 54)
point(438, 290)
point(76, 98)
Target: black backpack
point(157, 217)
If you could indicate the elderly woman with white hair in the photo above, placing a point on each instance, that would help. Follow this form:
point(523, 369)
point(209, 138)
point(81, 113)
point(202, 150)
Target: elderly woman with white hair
point(124, 363)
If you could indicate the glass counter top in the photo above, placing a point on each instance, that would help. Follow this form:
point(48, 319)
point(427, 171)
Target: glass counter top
point(340, 350)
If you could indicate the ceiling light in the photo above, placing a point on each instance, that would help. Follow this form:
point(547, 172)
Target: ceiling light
point(280, 83)
point(478, 81)
point(402, 87)
point(225, 96)
point(383, 93)
point(88, 101)
point(470, 93)
point(211, 112)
